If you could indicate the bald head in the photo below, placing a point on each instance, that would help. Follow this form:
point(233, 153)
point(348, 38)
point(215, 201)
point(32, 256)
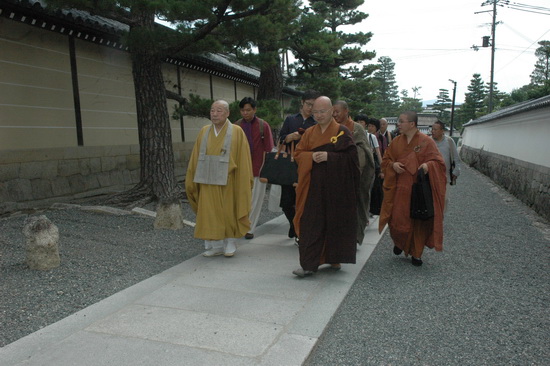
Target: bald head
point(219, 112)
point(322, 110)
point(383, 125)
point(340, 111)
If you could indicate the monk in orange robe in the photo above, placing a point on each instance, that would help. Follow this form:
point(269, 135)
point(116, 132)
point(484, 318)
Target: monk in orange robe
point(326, 195)
point(409, 152)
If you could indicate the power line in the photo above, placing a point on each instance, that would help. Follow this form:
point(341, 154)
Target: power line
point(528, 8)
point(524, 50)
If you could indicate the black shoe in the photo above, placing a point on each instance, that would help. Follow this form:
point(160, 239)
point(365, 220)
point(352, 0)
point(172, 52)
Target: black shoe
point(417, 262)
point(396, 250)
point(296, 241)
point(249, 236)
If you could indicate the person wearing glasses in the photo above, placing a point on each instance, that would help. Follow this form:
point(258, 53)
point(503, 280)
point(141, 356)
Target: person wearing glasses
point(291, 133)
point(406, 155)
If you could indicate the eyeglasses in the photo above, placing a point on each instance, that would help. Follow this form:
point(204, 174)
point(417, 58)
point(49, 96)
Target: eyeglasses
point(322, 111)
point(309, 104)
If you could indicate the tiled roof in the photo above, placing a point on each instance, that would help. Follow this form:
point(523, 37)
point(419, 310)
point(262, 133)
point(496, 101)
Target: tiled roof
point(514, 109)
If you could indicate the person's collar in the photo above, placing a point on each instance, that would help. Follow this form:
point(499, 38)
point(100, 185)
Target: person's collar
point(252, 120)
point(439, 140)
point(222, 126)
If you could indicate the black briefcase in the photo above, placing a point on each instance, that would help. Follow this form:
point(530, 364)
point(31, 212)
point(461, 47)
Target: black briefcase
point(279, 167)
point(422, 204)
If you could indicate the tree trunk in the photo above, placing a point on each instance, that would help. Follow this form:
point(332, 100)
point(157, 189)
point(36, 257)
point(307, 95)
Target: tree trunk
point(157, 177)
point(155, 134)
point(271, 74)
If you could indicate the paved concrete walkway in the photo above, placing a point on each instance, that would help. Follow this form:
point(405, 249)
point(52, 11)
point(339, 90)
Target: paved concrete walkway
point(245, 310)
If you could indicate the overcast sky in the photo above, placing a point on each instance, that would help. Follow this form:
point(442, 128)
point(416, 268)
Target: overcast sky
point(430, 42)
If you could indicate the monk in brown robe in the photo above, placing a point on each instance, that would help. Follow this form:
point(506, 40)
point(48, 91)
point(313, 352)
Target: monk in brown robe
point(328, 184)
point(409, 152)
point(366, 164)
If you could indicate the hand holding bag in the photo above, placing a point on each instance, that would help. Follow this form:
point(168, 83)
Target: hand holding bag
point(279, 167)
point(422, 205)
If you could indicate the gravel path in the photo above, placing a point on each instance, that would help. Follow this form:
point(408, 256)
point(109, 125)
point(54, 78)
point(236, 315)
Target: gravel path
point(484, 300)
point(101, 254)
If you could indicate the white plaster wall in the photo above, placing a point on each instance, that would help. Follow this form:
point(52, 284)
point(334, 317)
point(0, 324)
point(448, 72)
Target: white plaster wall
point(524, 136)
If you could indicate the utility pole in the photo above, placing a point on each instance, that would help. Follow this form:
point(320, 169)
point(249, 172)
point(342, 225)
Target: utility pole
point(453, 106)
point(491, 85)
point(485, 44)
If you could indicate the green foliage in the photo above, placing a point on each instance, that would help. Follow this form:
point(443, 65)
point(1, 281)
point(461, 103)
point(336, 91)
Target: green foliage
point(386, 103)
point(268, 110)
point(474, 101)
point(443, 104)
point(541, 74)
point(410, 103)
point(195, 21)
point(195, 107)
point(326, 56)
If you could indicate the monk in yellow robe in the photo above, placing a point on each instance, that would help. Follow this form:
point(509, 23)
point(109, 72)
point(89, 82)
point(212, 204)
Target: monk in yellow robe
point(219, 183)
point(409, 152)
point(328, 186)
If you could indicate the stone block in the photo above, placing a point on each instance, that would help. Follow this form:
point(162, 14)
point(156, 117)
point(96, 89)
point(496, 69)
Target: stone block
point(18, 190)
point(127, 177)
point(31, 170)
point(66, 168)
point(117, 178)
point(42, 243)
point(9, 171)
point(49, 169)
point(91, 182)
point(85, 168)
point(134, 150)
point(169, 215)
point(95, 165)
point(120, 162)
point(60, 186)
point(108, 163)
point(132, 162)
point(104, 179)
point(135, 174)
point(77, 183)
point(41, 188)
point(179, 172)
point(6, 207)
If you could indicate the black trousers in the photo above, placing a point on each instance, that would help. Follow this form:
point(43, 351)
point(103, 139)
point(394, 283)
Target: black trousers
point(288, 204)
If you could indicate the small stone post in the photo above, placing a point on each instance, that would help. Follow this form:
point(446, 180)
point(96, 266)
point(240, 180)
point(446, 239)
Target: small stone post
point(169, 215)
point(42, 243)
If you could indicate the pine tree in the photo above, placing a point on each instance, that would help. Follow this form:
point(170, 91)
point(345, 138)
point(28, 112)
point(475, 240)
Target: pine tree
point(386, 103)
point(541, 74)
point(323, 51)
point(474, 101)
point(540, 77)
point(260, 40)
point(410, 103)
point(443, 104)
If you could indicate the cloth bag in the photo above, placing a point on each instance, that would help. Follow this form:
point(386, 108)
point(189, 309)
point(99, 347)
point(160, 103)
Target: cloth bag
point(279, 167)
point(422, 205)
